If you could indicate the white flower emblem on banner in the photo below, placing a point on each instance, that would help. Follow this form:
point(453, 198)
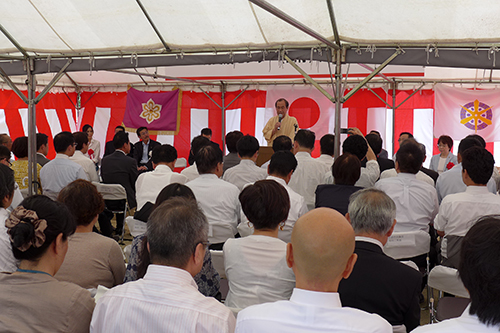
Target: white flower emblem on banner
point(150, 111)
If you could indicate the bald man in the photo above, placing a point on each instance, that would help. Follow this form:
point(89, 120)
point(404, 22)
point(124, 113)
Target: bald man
point(321, 254)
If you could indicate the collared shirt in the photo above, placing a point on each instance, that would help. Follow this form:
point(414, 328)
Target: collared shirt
point(244, 173)
point(367, 178)
point(219, 201)
point(420, 176)
point(7, 261)
point(298, 208)
point(87, 165)
point(191, 172)
point(450, 182)
point(289, 126)
point(459, 211)
point(465, 323)
point(145, 153)
point(94, 152)
point(58, 173)
point(370, 240)
point(309, 311)
point(257, 271)
point(326, 160)
point(150, 184)
point(416, 201)
point(308, 175)
point(165, 300)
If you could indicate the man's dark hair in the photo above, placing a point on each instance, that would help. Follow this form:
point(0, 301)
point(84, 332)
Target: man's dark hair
point(479, 269)
point(120, 139)
point(375, 132)
point(20, 147)
point(356, 145)
point(375, 142)
point(247, 146)
point(407, 133)
point(479, 164)
point(163, 154)
point(305, 138)
point(198, 142)
point(346, 169)
point(4, 152)
point(206, 131)
point(4, 138)
point(41, 139)
point(281, 100)
point(120, 127)
point(282, 142)
point(282, 162)
point(410, 157)
point(207, 159)
point(478, 138)
point(62, 141)
point(327, 144)
point(139, 130)
point(447, 140)
point(467, 143)
point(231, 140)
point(80, 139)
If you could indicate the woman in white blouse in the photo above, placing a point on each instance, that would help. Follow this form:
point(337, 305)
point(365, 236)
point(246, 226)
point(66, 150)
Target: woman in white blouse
point(94, 152)
point(445, 160)
point(256, 265)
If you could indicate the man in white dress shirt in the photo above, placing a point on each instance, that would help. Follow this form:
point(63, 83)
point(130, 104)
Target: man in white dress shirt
point(61, 170)
point(82, 145)
point(198, 142)
point(320, 255)
point(310, 172)
point(246, 171)
point(327, 145)
point(167, 298)
point(458, 211)
point(451, 182)
point(217, 198)
point(150, 184)
point(479, 270)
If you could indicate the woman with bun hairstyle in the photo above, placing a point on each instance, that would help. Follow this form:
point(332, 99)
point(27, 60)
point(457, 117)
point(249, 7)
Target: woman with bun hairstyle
point(31, 299)
point(7, 261)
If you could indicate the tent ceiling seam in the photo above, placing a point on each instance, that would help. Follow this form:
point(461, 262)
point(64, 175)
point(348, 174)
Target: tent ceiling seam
point(258, 22)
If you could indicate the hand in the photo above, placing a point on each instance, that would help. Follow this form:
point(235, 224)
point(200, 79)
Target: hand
point(355, 131)
point(277, 125)
point(141, 168)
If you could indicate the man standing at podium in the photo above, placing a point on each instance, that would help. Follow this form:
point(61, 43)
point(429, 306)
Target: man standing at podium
point(281, 124)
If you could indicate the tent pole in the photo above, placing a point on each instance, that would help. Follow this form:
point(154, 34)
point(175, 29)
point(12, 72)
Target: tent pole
point(32, 170)
point(223, 90)
point(413, 93)
point(370, 89)
point(53, 81)
point(393, 114)
point(339, 101)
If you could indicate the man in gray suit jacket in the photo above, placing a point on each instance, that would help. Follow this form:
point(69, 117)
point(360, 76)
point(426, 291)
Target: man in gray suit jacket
point(42, 148)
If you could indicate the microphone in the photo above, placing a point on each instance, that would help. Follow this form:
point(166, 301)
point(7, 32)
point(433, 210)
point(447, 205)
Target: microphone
point(280, 117)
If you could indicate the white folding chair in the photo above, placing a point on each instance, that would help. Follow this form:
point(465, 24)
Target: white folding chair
point(446, 279)
point(136, 227)
point(114, 192)
point(408, 244)
point(180, 163)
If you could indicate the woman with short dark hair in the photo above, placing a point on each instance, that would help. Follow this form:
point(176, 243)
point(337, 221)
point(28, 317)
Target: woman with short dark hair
point(445, 160)
point(256, 265)
point(20, 166)
point(31, 299)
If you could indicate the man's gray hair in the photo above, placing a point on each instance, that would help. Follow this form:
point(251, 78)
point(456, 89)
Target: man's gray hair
point(371, 211)
point(175, 228)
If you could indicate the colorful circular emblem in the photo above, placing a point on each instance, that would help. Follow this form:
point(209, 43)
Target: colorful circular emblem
point(476, 115)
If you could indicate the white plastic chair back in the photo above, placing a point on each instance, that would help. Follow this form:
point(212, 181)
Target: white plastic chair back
point(25, 192)
point(127, 250)
point(218, 262)
point(180, 163)
point(408, 244)
point(111, 191)
point(101, 290)
point(446, 279)
point(136, 227)
point(399, 329)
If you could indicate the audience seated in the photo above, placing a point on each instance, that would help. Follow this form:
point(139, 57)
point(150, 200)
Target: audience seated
point(20, 166)
point(346, 171)
point(282, 142)
point(92, 259)
point(246, 171)
point(232, 158)
point(320, 255)
point(445, 160)
point(167, 298)
point(7, 261)
point(310, 172)
point(479, 270)
point(217, 198)
point(357, 145)
point(379, 284)
point(32, 300)
point(451, 182)
point(17, 196)
point(94, 149)
point(458, 210)
point(375, 142)
point(42, 149)
point(61, 171)
point(149, 184)
point(383, 153)
point(327, 145)
point(109, 148)
point(191, 172)
point(255, 265)
point(79, 157)
point(207, 279)
point(431, 173)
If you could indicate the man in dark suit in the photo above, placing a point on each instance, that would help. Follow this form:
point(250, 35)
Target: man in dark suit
point(42, 148)
point(431, 173)
point(143, 149)
point(375, 142)
point(118, 168)
point(110, 148)
point(379, 284)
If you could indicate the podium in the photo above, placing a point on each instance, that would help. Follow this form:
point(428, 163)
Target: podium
point(265, 154)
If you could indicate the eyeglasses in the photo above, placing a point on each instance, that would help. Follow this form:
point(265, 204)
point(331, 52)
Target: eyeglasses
point(205, 245)
point(442, 145)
